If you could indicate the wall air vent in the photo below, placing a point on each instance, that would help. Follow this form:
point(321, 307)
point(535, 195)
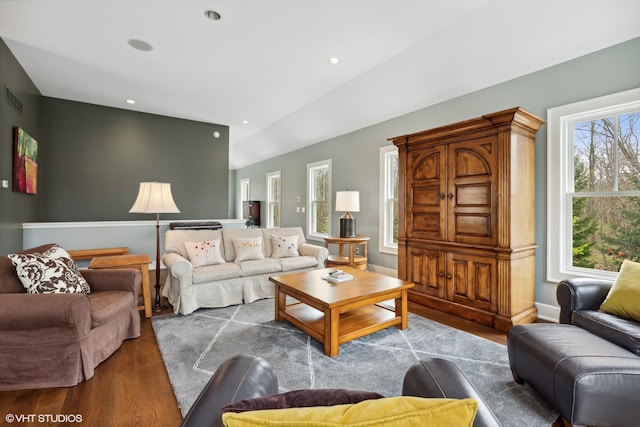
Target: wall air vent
point(12, 99)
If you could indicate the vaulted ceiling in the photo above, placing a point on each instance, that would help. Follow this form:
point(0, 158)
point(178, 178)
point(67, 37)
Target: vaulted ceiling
point(263, 68)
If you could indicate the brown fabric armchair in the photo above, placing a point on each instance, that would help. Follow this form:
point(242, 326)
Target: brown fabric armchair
point(56, 340)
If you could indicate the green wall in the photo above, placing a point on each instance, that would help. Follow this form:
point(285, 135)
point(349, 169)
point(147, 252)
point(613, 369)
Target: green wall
point(16, 208)
point(355, 156)
point(97, 156)
point(92, 158)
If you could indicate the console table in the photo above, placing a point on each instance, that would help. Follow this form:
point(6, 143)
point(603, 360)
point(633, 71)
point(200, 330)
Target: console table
point(349, 259)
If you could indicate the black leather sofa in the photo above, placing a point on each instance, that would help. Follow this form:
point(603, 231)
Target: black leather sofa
point(588, 366)
point(247, 377)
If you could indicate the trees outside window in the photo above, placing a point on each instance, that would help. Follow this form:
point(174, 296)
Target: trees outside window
point(245, 193)
point(606, 209)
point(389, 199)
point(319, 199)
point(273, 199)
point(594, 186)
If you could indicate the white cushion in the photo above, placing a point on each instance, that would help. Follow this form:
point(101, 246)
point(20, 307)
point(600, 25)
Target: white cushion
point(229, 234)
point(204, 253)
point(296, 263)
point(269, 233)
point(247, 248)
point(174, 239)
point(210, 273)
point(262, 266)
point(284, 246)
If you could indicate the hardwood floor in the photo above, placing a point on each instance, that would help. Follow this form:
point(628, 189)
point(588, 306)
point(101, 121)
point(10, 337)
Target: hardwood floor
point(132, 387)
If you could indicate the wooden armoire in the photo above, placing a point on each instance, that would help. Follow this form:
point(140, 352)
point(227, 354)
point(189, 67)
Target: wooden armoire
point(467, 217)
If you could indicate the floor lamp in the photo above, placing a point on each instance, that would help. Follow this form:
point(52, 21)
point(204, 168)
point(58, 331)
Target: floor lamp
point(155, 197)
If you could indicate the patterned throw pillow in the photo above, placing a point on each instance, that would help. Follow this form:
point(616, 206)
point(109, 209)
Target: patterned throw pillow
point(204, 253)
point(248, 248)
point(284, 246)
point(50, 272)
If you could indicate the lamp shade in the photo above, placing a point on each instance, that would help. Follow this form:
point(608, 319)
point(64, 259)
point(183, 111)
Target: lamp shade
point(347, 201)
point(154, 197)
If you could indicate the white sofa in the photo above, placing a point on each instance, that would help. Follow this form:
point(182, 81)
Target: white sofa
point(230, 280)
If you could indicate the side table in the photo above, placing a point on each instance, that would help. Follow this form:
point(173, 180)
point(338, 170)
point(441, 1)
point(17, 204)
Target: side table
point(139, 261)
point(350, 259)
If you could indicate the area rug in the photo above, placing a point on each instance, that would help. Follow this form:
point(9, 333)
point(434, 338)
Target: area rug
point(193, 347)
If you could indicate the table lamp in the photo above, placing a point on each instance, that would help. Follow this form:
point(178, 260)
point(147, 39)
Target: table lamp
point(347, 202)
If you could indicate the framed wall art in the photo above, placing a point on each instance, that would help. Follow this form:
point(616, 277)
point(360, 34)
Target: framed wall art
point(25, 162)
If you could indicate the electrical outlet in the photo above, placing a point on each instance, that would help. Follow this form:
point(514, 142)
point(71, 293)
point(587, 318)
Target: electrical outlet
point(357, 250)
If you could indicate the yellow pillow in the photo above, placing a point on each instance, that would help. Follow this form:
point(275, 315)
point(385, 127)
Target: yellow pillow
point(402, 411)
point(624, 296)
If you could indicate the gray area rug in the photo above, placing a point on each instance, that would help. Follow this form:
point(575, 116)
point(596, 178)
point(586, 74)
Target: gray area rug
point(194, 346)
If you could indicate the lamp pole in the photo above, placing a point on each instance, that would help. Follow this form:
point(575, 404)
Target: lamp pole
point(157, 286)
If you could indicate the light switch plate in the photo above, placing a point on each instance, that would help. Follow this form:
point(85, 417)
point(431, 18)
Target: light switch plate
point(5, 183)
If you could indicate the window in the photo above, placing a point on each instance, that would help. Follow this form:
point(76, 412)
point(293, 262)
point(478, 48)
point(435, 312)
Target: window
point(594, 186)
point(245, 193)
point(273, 199)
point(389, 199)
point(319, 197)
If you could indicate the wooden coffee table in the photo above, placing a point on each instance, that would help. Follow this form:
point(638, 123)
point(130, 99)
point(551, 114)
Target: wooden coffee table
point(335, 313)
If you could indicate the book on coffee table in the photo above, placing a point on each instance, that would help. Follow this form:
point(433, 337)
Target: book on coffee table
point(338, 276)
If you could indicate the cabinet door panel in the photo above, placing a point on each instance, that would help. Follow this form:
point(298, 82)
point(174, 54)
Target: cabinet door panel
point(471, 191)
point(426, 216)
point(426, 269)
point(473, 225)
point(472, 280)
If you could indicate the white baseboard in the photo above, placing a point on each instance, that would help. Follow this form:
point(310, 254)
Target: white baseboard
point(382, 270)
point(546, 312)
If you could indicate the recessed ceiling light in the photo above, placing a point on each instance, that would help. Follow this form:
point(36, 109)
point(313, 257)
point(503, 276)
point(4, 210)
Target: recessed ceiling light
point(245, 122)
point(334, 60)
point(140, 45)
point(212, 14)
point(130, 101)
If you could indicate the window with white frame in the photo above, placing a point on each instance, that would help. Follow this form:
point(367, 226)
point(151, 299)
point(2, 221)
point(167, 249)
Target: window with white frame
point(319, 199)
point(273, 199)
point(593, 186)
point(389, 199)
point(245, 192)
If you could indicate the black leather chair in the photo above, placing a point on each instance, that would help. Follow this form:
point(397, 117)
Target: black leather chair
point(247, 377)
point(587, 367)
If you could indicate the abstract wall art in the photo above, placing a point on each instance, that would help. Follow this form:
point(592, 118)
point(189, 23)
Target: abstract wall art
point(25, 162)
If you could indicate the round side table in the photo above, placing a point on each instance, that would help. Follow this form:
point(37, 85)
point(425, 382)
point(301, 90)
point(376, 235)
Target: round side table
point(350, 258)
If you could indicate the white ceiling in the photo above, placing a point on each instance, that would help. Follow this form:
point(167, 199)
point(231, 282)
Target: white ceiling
point(267, 61)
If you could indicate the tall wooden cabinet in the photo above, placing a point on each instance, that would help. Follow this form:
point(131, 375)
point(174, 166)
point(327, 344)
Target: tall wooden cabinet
point(466, 209)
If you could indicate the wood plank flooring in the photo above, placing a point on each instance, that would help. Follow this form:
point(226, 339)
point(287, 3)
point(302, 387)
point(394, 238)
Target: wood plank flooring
point(132, 387)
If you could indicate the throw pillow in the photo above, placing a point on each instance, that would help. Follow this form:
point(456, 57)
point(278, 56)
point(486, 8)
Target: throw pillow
point(49, 272)
point(56, 251)
point(624, 296)
point(402, 411)
point(284, 246)
point(248, 248)
point(204, 253)
point(301, 399)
